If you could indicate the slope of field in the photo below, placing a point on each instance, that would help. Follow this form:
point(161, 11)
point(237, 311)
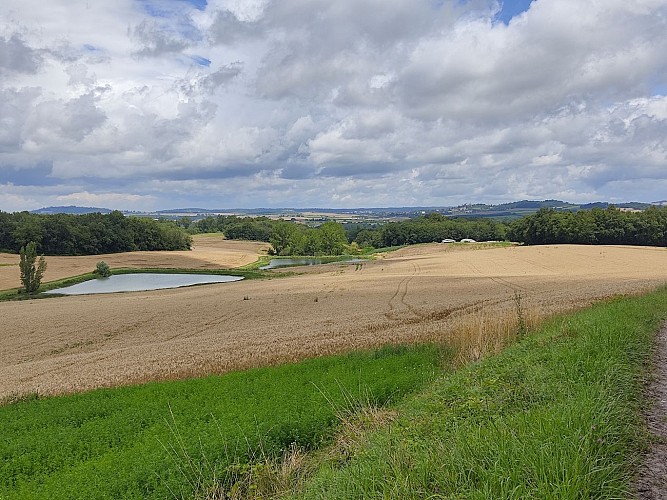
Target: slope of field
point(416, 294)
point(209, 251)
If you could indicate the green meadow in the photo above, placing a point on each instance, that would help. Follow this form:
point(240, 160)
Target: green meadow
point(176, 439)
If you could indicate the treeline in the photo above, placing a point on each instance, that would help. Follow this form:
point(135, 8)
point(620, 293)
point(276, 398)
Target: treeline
point(430, 228)
point(332, 238)
point(234, 228)
point(89, 234)
point(610, 226)
point(286, 238)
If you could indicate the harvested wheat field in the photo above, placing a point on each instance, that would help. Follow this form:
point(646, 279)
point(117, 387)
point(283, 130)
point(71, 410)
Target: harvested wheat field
point(472, 298)
point(208, 252)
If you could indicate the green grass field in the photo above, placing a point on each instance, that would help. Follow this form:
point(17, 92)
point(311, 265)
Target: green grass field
point(554, 416)
point(176, 439)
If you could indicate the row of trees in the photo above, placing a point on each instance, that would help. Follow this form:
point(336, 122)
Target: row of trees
point(592, 227)
point(234, 228)
point(289, 238)
point(286, 238)
point(89, 234)
point(430, 228)
point(331, 238)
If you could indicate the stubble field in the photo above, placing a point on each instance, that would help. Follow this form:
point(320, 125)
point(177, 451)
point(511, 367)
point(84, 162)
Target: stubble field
point(422, 293)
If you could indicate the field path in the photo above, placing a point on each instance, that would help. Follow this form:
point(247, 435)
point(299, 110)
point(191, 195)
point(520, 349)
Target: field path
point(418, 293)
point(652, 481)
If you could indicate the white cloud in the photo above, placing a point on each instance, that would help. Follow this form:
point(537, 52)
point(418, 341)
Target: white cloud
point(273, 102)
point(112, 200)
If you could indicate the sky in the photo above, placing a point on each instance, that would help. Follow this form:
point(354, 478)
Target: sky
point(156, 104)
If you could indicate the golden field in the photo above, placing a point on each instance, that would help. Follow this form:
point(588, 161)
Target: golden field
point(422, 293)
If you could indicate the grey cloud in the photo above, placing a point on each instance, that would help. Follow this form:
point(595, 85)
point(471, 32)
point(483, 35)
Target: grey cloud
point(206, 84)
point(35, 175)
point(15, 106)
point(360, 170)
point(226, 172)
point(296, 171)
point(228, 29)
point(511, 73)
point(73, 119)
point(17, 57)
point(357, 102)
point(78, 75)
point(324, 45)
point(156, 40)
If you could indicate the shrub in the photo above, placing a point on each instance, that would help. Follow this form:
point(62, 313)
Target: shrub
point(102, 269)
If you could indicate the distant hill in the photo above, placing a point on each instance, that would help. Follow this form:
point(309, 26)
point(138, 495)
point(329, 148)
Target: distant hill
point(533, 204)
point(511, 210)
point(71, 210)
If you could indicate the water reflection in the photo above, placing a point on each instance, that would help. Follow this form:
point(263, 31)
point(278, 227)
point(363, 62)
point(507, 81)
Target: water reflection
point(141, 282)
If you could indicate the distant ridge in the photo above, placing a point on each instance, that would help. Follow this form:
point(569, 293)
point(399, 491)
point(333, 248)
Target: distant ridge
point(71, 209)
point(503, 210)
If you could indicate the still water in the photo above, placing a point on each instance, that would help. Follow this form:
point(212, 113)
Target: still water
point(142, 281)
point(306, 261)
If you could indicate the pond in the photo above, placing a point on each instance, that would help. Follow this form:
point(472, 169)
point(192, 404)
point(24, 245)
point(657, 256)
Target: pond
point(307, 261)
point(138, 282)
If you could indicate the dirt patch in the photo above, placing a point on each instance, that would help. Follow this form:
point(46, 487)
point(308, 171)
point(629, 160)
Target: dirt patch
point(208, 252)
point(652, 481)
point(78, 343)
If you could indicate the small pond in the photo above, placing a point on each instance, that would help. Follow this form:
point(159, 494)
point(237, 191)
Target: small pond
point(138, 282)
point(307, 261)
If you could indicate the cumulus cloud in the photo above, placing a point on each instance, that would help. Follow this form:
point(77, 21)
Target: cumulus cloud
point(346, 103)
point(16, 56)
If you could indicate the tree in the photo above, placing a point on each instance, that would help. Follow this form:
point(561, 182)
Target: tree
point(102, 269)
point(287, 238)
point(31, 275)
point(332, 237)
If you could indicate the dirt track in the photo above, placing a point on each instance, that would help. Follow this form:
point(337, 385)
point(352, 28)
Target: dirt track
point(78, 343)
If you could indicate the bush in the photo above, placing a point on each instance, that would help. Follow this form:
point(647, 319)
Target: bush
point(102, 269)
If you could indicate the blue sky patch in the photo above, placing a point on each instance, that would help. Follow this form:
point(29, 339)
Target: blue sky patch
point(202, 61)
point(512, 8)
point(659, 89)
point(166, 8)
point(197, 4)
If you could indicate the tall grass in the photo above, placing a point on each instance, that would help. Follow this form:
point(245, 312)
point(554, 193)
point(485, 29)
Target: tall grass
point(554, 416)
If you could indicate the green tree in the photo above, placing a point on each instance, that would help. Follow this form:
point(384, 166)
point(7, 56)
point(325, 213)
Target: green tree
point(102, 269)
point(31, 274)
point(286, 238)
point(333, 238)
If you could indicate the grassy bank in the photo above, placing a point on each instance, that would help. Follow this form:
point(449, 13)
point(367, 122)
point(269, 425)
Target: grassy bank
point(324, 259)
point(554, 416)
point(16, 293)
point(178, 439)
